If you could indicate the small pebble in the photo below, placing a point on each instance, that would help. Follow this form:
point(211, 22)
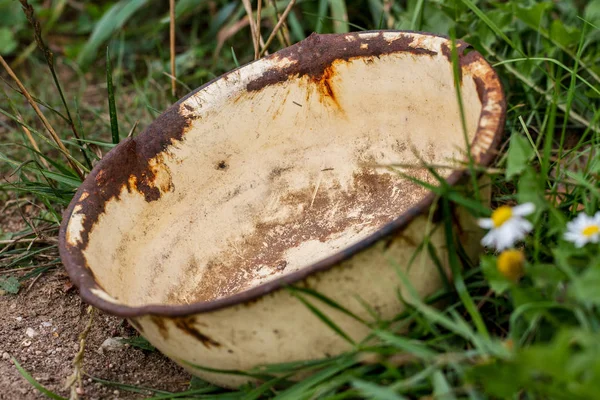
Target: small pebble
point(46, 324)
point(111, 344)
point(116, 392)
point(5, 356)
point(30, 332)
point(26, 343)
point(19, 319)
point(37, 352)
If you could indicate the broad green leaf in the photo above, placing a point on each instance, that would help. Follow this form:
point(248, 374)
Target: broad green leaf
point(592, 11)
point(533, 15)
point(111, 22)
point(10, 284)
point(585, 288)
point(531, 190)
point(526, 296)
point(7, 41)
point(498, 282)
point(501, 380)
point(546, 275)
point(564, 35)
point(519, 154)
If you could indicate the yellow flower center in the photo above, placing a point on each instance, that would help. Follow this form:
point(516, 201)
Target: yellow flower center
point(510, 264)
point(501, 215)
point(590, 230)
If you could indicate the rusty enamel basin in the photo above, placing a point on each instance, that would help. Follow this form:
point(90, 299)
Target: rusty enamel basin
point(276, 174)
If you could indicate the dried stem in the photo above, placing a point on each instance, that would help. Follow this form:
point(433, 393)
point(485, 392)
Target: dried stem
point(278, 26)
point(258, 17)
point(255, 36)
point(47, 125)
point(49, 56)
point(172, 45)
point(284, 34)
point(78, 360)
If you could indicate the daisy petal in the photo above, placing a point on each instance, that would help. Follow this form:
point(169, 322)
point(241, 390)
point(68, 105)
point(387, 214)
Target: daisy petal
point(571, 236)
point(523, 209)
point(525, 226)
point(504, 242)
point(485, 223)
point(490, 239)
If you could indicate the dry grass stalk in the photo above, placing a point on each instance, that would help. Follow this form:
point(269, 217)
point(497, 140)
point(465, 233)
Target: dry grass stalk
point(258, 17)
point(75, 377)
point(49, 56)
point(172, 44)
point(284, 34)
point(47, 125)
point(278, 26)
point(255, 36)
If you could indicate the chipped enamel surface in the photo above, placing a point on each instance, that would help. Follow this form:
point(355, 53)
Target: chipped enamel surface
point(279, 173)
point(75, 226)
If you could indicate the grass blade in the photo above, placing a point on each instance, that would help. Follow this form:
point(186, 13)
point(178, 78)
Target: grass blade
point(459, 283)
point(324, 318)
point(339, 15)
point(35, 383)
point(376, 392)
point(329, 302)
point(112, 108)
point(481, 15)
point(300, 390)
point(111, 21)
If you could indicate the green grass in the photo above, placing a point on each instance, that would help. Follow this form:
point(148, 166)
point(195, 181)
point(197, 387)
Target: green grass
point(537, 338)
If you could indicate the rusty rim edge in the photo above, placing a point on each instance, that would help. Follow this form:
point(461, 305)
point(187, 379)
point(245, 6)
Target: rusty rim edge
point(84, 280)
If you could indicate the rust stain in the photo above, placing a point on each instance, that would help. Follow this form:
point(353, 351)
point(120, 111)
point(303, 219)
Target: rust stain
point(373, 199)
point(161, 325)
point(317, 53)
point(128, 166)
point(461, 46)
point(325, 86)
point(187, 324)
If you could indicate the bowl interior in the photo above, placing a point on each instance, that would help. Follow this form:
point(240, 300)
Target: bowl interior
point(271, 171)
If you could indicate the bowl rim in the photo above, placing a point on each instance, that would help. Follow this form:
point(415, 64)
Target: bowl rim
point(490, 127)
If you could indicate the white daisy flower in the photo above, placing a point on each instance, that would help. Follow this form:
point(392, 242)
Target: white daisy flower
point(583, 229)
point(507, 226)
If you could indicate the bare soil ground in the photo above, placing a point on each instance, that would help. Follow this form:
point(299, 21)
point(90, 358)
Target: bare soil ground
point(40, 328)
point(55, 319)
